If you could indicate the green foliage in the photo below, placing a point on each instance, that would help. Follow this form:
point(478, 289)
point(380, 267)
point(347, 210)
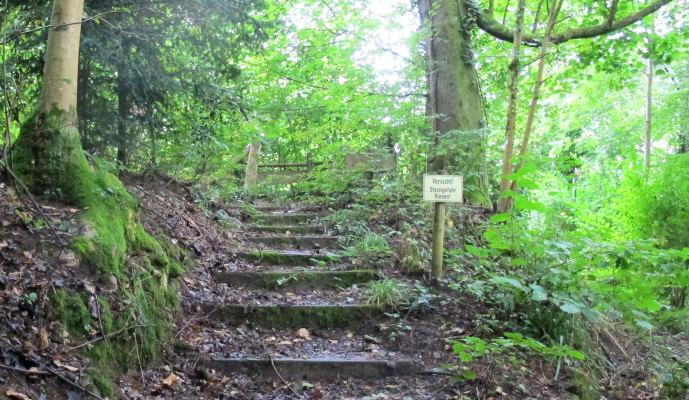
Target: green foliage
point(509, 351)
point(657, 205)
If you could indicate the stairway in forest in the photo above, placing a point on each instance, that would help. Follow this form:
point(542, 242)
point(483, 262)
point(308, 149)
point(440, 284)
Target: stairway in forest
point(295, 311)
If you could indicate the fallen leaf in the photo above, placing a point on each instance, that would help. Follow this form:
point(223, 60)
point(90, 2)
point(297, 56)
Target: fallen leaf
point(70, 368)
point(371, 339)
point(44, 339)
point(16, 395)
point(304, 334)
point(65, 366)
point(171, 380)
point(350, 335)
point(317, 395)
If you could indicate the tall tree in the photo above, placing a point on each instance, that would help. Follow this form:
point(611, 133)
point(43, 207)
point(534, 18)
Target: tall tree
point(454, 102)
point(48, 153)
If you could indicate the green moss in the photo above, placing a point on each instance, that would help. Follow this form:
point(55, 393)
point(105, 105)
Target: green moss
point(72, 310)
point(276, 219)
point(297, 279)
point(48, 156)
point(295, 229)
point(101, 383)
point(288, 258)
point(49, 159)
point(584, 386)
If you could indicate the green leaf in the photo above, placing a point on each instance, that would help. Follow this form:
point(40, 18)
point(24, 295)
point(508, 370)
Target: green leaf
point(502, 217)
point(648, 304)
point(644, 324)
point(524, 204)
point(469, 375)
point(576, 354)
point(510, 281)
point(570, 308)
point(538, 292)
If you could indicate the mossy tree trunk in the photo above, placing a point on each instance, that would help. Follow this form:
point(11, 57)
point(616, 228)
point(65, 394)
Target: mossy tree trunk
point(454, 103)
point(48, 155)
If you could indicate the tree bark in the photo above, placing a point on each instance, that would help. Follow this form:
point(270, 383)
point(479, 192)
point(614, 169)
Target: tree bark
point(48, 155)
point(503, 202)
point(491, 26)
point(122, 114)
point(61, 70)
point(455, 104)
point(554, 11)
point(438, 243)
point(649, 112)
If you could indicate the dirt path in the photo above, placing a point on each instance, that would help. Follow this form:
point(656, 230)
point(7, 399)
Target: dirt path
point(278, 318)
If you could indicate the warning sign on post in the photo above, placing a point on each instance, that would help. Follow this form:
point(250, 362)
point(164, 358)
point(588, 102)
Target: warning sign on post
point(442, 188)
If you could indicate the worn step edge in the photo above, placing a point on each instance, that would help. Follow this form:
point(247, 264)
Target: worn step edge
point(302, 241)
point(295, 280)
point(312, 369)
point(294, 316)
point(288, 257)
point(283, 218)
point(300, 229)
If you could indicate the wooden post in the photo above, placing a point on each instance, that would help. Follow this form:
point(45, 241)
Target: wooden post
point(438, 244)
point(251, 177)
point(309, 162)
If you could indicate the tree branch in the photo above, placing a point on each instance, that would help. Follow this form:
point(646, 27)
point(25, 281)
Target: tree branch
point(40, 28)
point(491, 26)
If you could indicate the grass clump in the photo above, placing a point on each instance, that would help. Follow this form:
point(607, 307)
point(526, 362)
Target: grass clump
point(372, 250)
point(388, 293)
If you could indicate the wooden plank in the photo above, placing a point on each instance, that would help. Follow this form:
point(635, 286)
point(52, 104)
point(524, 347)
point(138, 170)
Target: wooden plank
point(370, 162)
point(289, 165)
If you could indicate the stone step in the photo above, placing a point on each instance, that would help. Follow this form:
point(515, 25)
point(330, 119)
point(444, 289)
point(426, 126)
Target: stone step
point(295, 280)
point(323, 369)
point(283, 218)
point(262, 208)
point(296, 229)
point(293, 316)
point(294, 241)
point(288, 257)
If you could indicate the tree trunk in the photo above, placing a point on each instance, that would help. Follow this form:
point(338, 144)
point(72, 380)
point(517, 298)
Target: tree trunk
point(47, 155)
point(455, 103)
point(552, 18)
point(122, 115)
point(61, 70)
point(504, 201)
point(649, 112)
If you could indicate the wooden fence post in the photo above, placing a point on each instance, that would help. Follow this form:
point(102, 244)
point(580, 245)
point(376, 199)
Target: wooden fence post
point(251, 177)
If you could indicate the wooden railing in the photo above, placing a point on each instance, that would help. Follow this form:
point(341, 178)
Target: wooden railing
point(285, 173)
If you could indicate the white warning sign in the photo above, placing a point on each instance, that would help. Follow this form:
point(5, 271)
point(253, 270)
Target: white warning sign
point(443, 188)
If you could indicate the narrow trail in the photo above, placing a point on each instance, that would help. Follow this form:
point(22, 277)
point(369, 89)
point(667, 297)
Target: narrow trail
point(282, 316)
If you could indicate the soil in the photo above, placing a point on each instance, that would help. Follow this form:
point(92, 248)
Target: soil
point(32, 262)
